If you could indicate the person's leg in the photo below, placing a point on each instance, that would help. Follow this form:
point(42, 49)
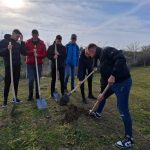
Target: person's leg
point(31, 78)
point(7, 84)
point(16, 75)
point(53, 81)
point(36, 83)
point(102, 103)
point(62, 76)
point(122, 92)
point(67, 74)
point(90, 94)
point(72, 76)
point(83, 93)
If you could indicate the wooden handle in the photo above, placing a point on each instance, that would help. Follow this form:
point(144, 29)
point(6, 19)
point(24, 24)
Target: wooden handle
point(102, 94)
point(81, 83)
point(11, 73)
point(37, 71)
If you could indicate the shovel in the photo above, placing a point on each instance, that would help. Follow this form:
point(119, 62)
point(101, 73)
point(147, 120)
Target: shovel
point(41, 102)
point(65, 99)
point(12, 82)
point(56, 95)
point(97, 102)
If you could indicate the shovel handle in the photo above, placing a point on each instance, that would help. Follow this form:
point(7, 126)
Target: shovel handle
point(81, 83)
point(102, 94)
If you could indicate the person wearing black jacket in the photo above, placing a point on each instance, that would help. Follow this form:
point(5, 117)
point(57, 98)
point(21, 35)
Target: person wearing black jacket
point(86, 66)
point(114, 71)
point(17, 47)
point(60, 55)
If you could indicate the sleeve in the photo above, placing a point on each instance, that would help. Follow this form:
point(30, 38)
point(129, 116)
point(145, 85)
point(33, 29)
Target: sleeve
point(43, 53)
point(3, 49)
point(23, 49)
point(98, 56)
point(81, 69)
point(29, 53)
point(77, 55)
point(119, 61)
point(50, 53)
point(63, 55)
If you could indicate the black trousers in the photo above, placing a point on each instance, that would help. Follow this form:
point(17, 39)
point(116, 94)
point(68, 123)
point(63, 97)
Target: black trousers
point(16, 76)
point(89, 85)
point(61, 71)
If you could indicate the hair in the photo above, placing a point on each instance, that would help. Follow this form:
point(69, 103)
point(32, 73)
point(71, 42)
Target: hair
point(16, 31)
point(92, 45)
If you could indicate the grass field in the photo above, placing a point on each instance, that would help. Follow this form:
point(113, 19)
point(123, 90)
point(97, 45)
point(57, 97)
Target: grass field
point(31, 129)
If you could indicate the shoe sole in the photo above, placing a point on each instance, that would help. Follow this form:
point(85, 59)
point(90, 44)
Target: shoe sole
point(123, 147)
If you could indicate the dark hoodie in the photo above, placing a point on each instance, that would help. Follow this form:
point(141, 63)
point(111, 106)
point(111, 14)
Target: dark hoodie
point(17, 49)
point(84, 64)
point(112, 62)
point(62, 55)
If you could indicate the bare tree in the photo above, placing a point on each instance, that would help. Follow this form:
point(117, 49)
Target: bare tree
point(134, 47)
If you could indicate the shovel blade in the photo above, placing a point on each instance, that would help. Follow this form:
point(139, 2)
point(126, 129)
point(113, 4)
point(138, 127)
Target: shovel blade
point(41, 103)
point(56, 96)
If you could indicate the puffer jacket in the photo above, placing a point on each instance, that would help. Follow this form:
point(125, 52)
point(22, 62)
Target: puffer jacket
point(41, 51)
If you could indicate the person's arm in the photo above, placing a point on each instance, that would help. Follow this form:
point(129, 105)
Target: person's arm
point(23, 49)
point(42, 55)
point(50, 53)
point(97, 56)
point(81, 69)
point(29, 52)
point(4, 48)
point(77, 55)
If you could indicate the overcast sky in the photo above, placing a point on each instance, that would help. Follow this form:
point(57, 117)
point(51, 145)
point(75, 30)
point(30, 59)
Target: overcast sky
point(104, 22)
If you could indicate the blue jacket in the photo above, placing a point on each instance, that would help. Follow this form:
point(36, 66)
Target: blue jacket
point(72, 54)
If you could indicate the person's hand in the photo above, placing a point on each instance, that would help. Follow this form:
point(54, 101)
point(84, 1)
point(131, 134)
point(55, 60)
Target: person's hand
point(79, 83)
point(10, 46)
point(21, 37)
point(111, 80)
point(95, 69)
point(100, 97)
point(56, 53)
point(55, 56)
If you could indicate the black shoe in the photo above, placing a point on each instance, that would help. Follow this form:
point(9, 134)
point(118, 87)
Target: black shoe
point(84, 101)
point(30, 99)
point(4, 105)
point(127, 142)
point(18, 101)
point(92, 97)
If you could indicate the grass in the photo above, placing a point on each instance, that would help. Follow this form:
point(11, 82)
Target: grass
point(31, 129)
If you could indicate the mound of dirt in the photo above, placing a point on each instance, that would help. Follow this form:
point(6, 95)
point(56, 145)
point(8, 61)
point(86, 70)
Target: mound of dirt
point(73, 113)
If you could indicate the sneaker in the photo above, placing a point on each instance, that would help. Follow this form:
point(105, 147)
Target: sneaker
point(18, 101)
point(127, 142)
point(92, 97)
point(95, 115)
point(4, 106)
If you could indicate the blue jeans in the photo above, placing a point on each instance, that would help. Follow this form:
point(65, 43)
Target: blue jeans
point(32, 76)
point(122, 91)
point(67, 74)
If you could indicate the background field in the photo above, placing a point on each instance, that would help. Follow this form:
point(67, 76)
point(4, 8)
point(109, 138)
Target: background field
point(31, 129)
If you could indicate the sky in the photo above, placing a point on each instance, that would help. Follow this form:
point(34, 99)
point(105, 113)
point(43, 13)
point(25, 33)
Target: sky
point(115, 23)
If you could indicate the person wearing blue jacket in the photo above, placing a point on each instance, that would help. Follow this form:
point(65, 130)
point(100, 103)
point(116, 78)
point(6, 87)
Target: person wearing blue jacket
point(71, 60)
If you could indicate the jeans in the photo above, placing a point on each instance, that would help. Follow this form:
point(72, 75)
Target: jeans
point(16, 77)
point(67, 74)
point(32, 76)
point(53, 82)
point(122, 91)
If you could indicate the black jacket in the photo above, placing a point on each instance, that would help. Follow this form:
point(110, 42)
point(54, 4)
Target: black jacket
point(112, 62)
point(17, 49)
point(61, 58)
point(84, 64)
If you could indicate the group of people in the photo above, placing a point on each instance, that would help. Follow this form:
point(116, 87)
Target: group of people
point(113, 70)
